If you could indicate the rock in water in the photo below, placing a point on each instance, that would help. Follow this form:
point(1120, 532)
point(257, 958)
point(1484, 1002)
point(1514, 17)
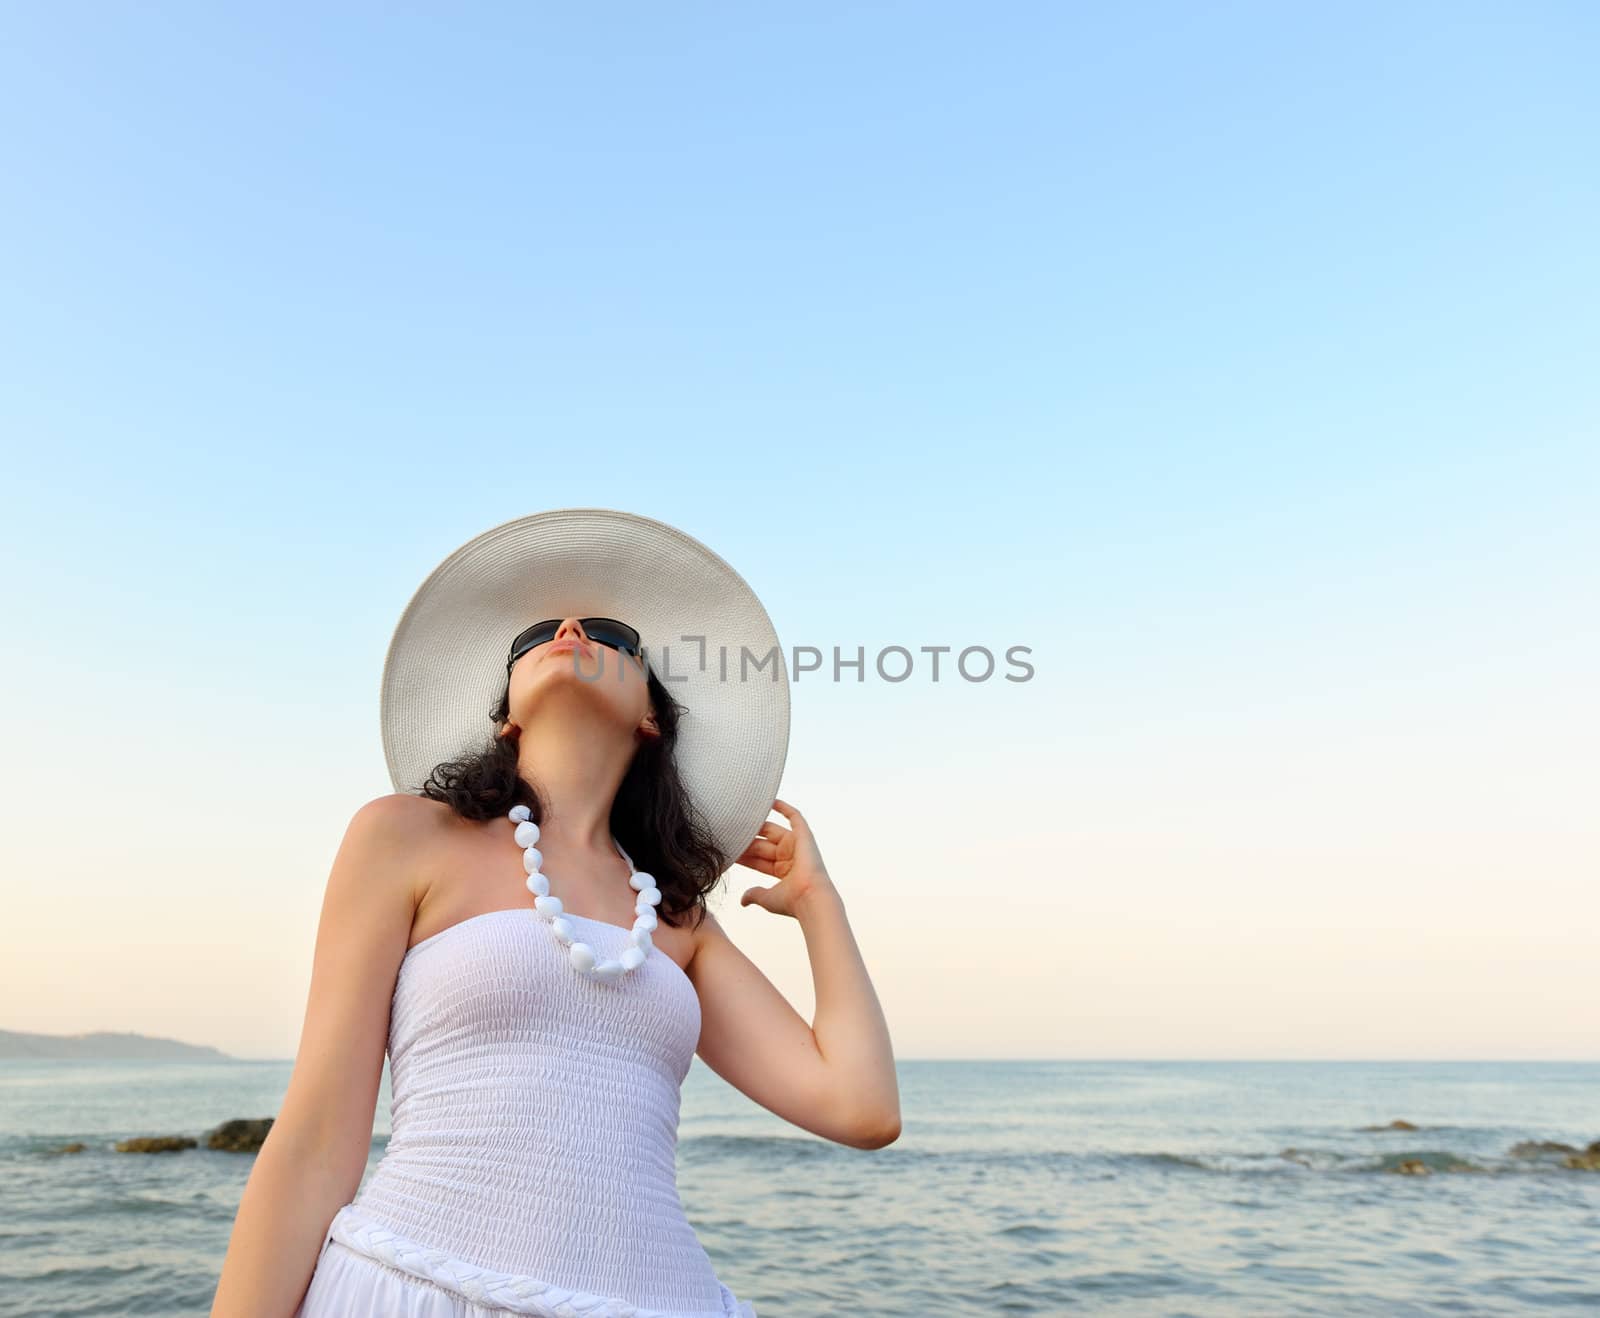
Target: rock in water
point(241, 1135)
point(154, 1144)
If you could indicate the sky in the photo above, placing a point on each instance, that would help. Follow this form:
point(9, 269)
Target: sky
point(1237, 360)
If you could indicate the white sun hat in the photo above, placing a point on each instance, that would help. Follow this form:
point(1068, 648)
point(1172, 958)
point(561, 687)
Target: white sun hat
point(705, 633)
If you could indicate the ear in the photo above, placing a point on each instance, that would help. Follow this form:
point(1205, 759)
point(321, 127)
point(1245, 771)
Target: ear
point(648, 725)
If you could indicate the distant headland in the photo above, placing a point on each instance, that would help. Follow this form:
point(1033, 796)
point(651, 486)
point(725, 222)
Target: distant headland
point(103, 1045)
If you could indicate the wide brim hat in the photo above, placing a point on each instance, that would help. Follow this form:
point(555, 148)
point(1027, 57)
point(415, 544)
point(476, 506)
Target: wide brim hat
point(446, 663)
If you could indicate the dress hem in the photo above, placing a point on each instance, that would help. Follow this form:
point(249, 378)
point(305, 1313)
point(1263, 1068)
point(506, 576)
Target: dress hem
point(513, 1292)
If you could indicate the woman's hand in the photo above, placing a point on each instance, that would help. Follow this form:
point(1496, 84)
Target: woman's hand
point(790, 856)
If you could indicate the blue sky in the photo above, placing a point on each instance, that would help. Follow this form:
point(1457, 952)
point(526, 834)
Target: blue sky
point(1238, 358)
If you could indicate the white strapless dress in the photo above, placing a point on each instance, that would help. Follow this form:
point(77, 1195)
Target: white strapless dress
point(532, 1165)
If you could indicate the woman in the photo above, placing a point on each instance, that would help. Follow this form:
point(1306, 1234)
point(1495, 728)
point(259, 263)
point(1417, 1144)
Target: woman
point(526, 933)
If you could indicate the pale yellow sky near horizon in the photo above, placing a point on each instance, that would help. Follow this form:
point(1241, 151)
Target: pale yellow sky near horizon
point(1378, 877)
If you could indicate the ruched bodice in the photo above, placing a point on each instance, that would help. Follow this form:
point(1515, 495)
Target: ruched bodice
point(535, 1121)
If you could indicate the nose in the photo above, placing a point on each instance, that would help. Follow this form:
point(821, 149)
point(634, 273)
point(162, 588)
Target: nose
point(571, 627)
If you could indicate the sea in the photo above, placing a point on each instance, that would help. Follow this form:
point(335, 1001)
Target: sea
point(1181, 1188)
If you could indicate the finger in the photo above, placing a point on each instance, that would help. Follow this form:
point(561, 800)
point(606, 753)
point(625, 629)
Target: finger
point(794, 817)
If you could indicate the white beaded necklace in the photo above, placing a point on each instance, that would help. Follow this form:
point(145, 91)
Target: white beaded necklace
point(582, 955)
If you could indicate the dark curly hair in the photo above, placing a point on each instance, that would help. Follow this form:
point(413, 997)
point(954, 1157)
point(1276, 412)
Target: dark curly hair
point(652, 815)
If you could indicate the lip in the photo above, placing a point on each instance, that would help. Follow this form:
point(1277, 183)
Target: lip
point(569, 643)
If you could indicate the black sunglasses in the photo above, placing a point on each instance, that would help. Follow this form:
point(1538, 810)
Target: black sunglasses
point(606, 631)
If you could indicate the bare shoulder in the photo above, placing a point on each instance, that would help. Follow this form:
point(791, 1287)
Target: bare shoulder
point(398, 832)
point(707, 931)
point(399, 815)
point(402, 808)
